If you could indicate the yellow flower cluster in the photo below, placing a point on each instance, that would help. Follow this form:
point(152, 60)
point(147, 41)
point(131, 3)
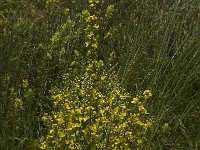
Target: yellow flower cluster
point(92, 26)
point(109, 11)
point(147, 94)
point(93, 3)
point(27, 95)
point(94, 112)
point(91, 109)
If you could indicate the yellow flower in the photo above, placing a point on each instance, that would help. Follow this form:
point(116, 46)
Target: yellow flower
point(90, 18)
point(103, 78)
point(93, 1)
point(61, 134)
point(87, 19)
point(44, 118)
point(147, 94)
point(78, 111)
point(83, 119)
point(96, 26)
point(135, 100)
point(87, 44)
point(18, 103)
point(139, 141)
point(93, 17)
point(60, 121)
point(67, 106)
point(43, 145)
point(68, 141)
point(85, 13)
point(109, 11)
point(75, 125)
point(94, 45)
point(90, 34)
point(92, 5)
point(142, 109)
point(96, 1)
point(25, 83)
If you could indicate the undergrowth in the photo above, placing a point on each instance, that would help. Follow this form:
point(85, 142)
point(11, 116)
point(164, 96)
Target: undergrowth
point(88, 63)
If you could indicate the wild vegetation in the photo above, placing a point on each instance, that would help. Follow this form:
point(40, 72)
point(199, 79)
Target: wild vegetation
point(97, 74)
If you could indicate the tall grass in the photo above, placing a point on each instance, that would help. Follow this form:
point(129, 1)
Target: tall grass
point(174, 78)
point(156, 47)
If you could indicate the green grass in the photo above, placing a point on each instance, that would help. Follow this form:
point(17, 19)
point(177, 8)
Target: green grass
point(140, 32)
